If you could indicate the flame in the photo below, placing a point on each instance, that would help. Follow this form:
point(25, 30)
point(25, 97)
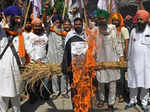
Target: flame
point(83, 76)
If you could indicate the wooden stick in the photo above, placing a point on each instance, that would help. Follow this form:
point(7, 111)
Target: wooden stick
point(140, 5)
point(85, 15)
point(65, 7)
point(110, 7)
point(26, 14)
point(48, 1)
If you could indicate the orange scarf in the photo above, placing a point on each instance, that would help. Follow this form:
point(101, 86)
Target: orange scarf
point(21, 47)
point(58, 33)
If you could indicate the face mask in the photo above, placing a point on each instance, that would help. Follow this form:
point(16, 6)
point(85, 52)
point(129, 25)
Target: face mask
point(78, 30)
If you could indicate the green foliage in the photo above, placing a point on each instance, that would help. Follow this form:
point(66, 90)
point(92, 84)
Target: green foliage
point(59, 5)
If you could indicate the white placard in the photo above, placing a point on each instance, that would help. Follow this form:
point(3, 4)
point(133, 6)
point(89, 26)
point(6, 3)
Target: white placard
point(79, 48)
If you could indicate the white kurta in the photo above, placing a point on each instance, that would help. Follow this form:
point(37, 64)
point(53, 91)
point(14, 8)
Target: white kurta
point(55, 48)
point(10, 80)
point(109, 49)
point(138, 59)
point(73, 33)
point(35, 46)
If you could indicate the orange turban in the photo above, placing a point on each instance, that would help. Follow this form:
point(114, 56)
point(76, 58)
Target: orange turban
point(36, 21)
point(143, 14)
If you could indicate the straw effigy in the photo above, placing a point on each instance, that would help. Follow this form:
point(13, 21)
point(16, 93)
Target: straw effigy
point(34, 72)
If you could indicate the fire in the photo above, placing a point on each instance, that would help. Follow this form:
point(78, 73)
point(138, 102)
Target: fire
point(83, 76)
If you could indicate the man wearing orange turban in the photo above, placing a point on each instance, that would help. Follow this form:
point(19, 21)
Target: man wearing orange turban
point(142, 19)
point(138, 61)
point(123, 34)
point(36, 21)
point(142, 14)
point(37, 26)
point(35, 45)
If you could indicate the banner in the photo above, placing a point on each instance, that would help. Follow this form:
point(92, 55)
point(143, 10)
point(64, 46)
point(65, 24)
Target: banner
point(52, 2)
point(37, 8)
point(105, 4)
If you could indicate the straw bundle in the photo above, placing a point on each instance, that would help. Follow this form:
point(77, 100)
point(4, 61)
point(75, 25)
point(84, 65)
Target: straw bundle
point(35, 71)
point(110, 65)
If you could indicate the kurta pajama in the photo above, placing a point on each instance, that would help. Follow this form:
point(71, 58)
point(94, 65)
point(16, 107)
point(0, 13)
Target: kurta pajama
point(55, 55)
point(109, 50)
point(138, 60)
point(10, 78)
point(35, 46)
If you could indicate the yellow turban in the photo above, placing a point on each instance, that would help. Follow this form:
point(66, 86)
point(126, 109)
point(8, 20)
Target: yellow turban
point(116, 16)
point(119, 17)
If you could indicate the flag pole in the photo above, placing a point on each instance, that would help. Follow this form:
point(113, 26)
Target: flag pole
point(26, 14)
point(85, 14)
point(65, 7)
point(140, 5)
point(110, 7)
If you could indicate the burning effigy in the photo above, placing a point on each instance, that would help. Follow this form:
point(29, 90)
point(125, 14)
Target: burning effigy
point(83, 66)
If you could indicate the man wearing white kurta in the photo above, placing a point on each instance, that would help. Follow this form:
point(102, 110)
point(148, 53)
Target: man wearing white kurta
point(9, 70)
point(138, 61)
point(109, 48)
point(55, 53)
point(9, 78)
point(35, 46)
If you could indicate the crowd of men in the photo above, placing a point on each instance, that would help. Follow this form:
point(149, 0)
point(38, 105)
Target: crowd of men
point(49, 39)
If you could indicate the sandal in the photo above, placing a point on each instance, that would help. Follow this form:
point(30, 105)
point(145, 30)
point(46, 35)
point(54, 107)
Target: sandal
point(121, 100)
point(100, 104)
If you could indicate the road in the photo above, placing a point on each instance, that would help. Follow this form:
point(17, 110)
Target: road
point(65, 105)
